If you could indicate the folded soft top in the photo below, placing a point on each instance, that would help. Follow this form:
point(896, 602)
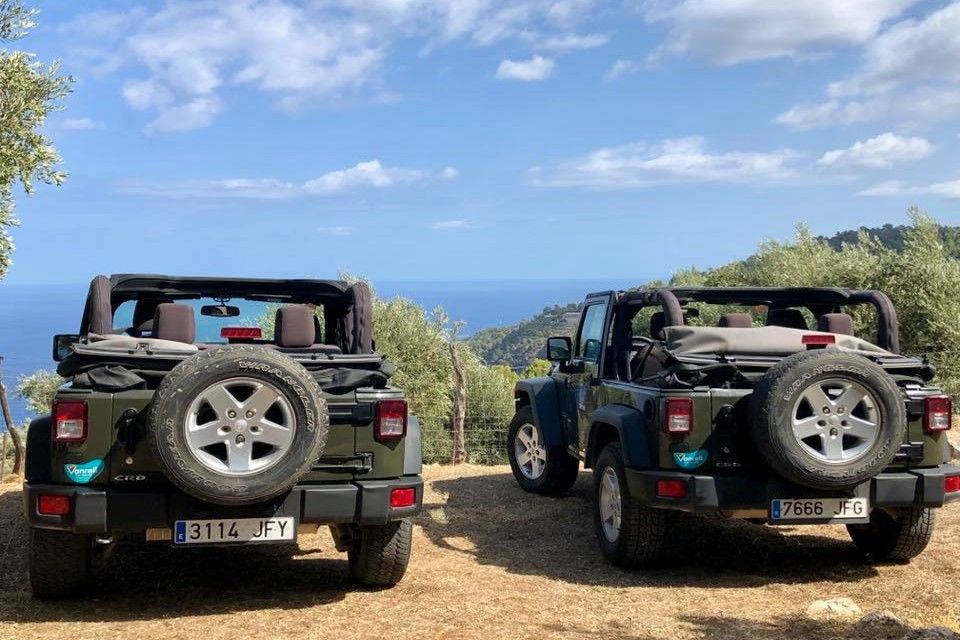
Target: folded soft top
point(754, 341)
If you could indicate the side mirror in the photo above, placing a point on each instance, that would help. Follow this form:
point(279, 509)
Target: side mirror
point(559, 349)
point(62, 343)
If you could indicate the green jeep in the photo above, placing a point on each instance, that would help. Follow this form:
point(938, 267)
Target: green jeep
point(754, 403)
point(206, 433)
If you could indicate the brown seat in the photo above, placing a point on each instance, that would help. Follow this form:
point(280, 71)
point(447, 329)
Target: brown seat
point(835, 323)
point(174, 322)
point(736, 320)
point(652, 357)
point(790, 318)
point(143, 314)
point(295, 327)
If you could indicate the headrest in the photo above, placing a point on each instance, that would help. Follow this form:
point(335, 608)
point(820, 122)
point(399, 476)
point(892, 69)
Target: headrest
point(657, 322)
point(174, 322)
point(790, 318)
point(836, 323)
point(738, 320)
point(294, 327)
point(143, 314)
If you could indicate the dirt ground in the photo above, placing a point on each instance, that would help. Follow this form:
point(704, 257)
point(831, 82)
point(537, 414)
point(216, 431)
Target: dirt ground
point(491, 562)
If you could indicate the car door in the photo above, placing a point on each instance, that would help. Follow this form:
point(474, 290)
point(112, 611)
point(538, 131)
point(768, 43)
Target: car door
point(588, 354)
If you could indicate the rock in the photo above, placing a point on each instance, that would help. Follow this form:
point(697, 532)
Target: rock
point(833, 608)
point(882, 625)
point(931, 633)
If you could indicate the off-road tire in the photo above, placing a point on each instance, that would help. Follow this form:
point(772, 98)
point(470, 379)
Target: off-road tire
point(894, 536)
point(379, 554)
point(166, 432)
point(60, 563)
point(643, 530)
point(772, 405)
point(560, 469)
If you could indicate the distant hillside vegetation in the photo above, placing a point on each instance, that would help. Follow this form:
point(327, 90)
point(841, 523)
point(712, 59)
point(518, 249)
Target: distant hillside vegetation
point(518, 345)
point(892, 236)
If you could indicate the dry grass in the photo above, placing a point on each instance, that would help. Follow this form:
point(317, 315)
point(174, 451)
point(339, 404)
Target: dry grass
point(491, 562)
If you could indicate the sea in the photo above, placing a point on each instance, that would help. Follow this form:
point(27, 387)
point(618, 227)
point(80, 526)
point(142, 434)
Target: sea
point(30, 315)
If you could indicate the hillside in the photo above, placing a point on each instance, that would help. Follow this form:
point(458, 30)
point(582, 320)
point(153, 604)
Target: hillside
point(517, 345)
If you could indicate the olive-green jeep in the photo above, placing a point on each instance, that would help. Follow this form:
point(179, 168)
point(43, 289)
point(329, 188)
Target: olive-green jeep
point(208, 433)
point(726, 401)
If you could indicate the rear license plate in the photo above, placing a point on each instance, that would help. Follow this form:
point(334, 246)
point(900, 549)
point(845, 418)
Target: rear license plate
point(845, 510)
point(234, 530)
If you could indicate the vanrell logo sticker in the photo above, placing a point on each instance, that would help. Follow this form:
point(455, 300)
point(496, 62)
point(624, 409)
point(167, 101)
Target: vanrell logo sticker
point(84, 472)
point(690, 459)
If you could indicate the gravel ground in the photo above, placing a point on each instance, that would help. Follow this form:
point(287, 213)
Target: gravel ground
point(492, 562)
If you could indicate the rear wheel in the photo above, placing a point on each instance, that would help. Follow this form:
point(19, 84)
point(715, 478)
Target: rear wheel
point(894, 536)
point(537, 466)
point(631, 535)
point(60, 563)
point(379, 554)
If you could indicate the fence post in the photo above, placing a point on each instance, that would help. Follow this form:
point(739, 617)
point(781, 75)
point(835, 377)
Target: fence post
point(3, 457)
point(459, 404)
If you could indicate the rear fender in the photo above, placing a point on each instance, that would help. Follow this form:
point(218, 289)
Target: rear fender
point(630, 427)
point(543, 396)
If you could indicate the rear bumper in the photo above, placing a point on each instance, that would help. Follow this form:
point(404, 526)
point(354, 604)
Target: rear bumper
point(106, 510)
point(750, 496)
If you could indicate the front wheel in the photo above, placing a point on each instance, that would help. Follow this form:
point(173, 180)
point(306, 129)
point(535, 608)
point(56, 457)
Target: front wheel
point(60, 563)
point(379, 554)
point(537, 466)
point(631, 535)
point(895, 536)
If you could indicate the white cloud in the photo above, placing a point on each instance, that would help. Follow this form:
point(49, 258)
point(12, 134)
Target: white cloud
point(451, 225)
point(337, 230)
point(884, 150)
point(82, 124)
point(622, 67)
point(948, 189)
point(574, 42)
point(910, 72)
point(639, 165)
point(725, 32)
point(536, 68)
point(371, 175)
point(185, 55)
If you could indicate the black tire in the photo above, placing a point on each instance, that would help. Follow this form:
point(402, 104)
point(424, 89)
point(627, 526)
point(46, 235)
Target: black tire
point(37, 466)
point(894, 536)
point(772, 411)
point(379, 554)
point(59, 563)
point(643, 530)
point(560, 469)
point(188, 379)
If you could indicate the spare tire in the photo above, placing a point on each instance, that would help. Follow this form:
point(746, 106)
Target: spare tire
point(827, 419)
point(238, 424)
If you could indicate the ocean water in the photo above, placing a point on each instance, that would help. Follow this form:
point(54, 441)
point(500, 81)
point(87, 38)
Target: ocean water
point(30, 315)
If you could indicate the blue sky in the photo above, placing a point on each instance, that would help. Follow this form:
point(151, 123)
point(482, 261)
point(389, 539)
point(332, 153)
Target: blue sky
point(473, 139)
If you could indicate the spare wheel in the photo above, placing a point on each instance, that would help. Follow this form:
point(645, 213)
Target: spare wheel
point(238, 424)
point(827, 419)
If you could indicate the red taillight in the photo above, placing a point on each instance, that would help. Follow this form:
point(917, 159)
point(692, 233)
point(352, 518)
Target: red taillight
point(53, 505)
point(818, 340)
point(937, 412)
point(403, 497)
point(391, 422)
point(69, 421)
point(951, 484)
point(241, 333)
point(678, 417)
point(671, 488)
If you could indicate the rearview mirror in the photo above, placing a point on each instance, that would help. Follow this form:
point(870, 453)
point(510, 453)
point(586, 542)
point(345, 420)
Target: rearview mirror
point(559, 349)
point(220, 311)
point(62, 343)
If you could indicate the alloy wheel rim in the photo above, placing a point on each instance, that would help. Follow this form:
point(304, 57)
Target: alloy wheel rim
point(836, 421)
point(609, 503)
point(530, 453)
point(239, 427)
